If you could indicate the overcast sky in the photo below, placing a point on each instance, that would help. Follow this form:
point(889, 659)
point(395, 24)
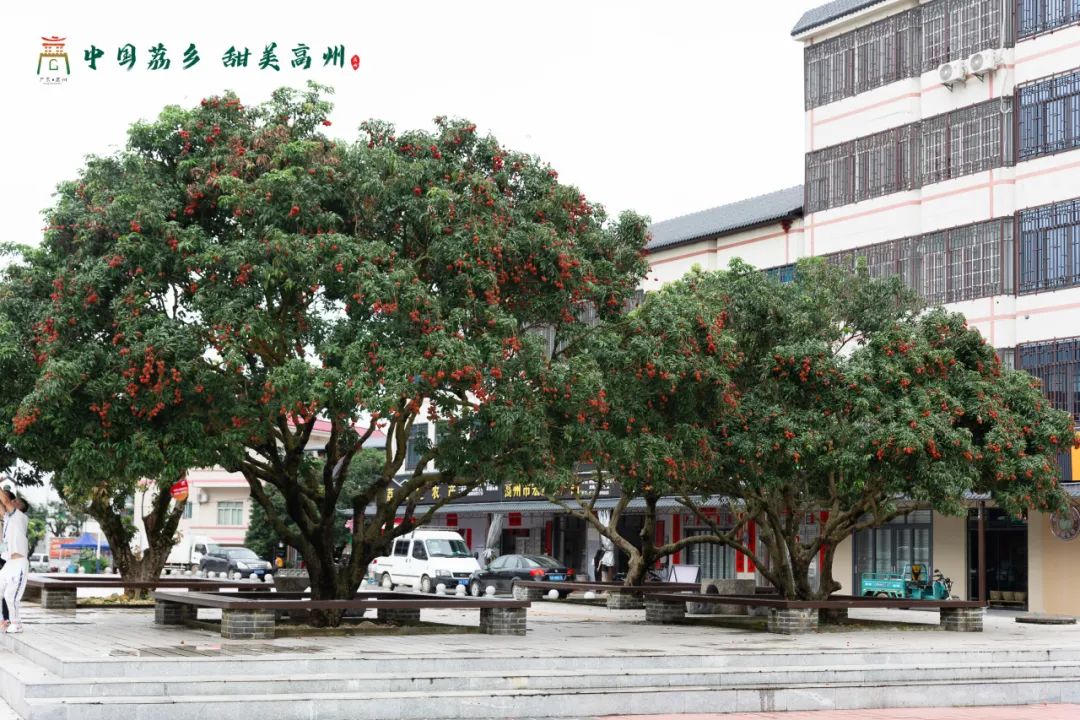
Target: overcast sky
point(661, 107)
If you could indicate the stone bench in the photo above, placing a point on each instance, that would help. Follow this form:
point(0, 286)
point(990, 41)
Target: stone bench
point(619, 596)
point(254, 615)
point(791, 617)
point(60, 592)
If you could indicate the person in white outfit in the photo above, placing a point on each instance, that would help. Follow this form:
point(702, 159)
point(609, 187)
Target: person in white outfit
point(15, 551)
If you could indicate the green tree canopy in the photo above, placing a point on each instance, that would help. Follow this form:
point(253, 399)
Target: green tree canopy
point(855, 403)
point(234, 277)
point(835, 396)
point(638, 402)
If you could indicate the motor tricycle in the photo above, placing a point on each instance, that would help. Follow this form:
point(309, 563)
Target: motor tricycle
point(913, 583)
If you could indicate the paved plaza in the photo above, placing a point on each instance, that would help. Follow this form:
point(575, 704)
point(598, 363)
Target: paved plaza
point(555, 629)
point(576, 661)
point(1021, 712)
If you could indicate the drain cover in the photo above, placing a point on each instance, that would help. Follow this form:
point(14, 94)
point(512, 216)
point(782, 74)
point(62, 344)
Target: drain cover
point(1046, 619)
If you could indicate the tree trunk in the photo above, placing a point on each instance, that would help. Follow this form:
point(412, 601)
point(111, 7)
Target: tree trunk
point(791, 561)
point(160, 525)
point(642, 560)
point(332, 580)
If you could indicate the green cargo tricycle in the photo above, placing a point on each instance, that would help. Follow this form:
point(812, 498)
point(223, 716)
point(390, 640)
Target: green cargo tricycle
point(913, 583)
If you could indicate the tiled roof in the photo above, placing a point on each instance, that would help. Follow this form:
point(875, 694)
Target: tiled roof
point(830, 11)
point(726, 218)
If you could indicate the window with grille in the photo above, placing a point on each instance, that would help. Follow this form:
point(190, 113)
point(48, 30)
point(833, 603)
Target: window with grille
point(830, 70)
point(966, 141)
point(955, 144)
point(863, 59)
point(1039, 16)
point(1050, 246)
point(716, 561)
point(1057, 364)
point(955, 29)
point(1049, 115)
point(893, 546)
point(417, 445)
point(903, 46)
point(935, 35)
point(934, 165)
point(783, 273)
point(974, 257)
point(230, 513)
point(954, 265)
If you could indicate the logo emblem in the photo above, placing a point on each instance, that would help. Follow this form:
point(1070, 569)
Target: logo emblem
point(53, 66)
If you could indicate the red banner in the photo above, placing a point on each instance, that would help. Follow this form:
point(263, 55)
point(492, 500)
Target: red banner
point(179, 490)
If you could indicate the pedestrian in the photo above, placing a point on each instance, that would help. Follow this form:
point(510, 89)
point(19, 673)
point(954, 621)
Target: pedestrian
point(14, 550)
point(3, 603)
point(596, 563)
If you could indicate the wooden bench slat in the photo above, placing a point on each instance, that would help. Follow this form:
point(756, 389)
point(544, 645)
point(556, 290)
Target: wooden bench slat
point(243, 601)
point(837, 602)
point(607, 587)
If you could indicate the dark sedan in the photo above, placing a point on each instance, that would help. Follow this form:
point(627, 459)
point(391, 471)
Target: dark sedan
point(504, 570)
point(233, 560)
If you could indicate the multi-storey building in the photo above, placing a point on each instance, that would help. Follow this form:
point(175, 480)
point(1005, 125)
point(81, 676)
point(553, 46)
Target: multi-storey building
point(943, 146)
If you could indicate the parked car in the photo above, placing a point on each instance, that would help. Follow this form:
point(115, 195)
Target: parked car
point(425, 559)
point(506, 569)
point(235, 560)
point(39, 563)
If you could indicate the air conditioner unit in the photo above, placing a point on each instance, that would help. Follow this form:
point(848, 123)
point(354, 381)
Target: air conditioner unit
point(983, 62)
point(203, 498)
point(952, 73)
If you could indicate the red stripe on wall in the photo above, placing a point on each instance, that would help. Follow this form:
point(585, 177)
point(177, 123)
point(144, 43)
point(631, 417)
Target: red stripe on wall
point(676, 534)
point(752, 543)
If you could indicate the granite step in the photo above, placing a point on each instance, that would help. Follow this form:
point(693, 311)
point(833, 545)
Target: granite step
point(564, 703)
point(49, 687)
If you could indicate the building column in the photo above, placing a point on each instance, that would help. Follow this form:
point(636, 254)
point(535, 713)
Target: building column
point(1038, 529)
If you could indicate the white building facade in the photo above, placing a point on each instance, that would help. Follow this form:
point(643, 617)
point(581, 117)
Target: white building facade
point(942, 145)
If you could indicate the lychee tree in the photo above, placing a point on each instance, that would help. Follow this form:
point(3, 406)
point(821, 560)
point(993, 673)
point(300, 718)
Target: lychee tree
point(637, 403)
point(234, 277)
point(855, 404)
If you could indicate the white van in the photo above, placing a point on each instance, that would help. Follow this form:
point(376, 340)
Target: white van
point(188, 551)
point(424, 559)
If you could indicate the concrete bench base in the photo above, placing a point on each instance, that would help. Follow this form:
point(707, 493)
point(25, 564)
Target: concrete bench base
point(169, 613)
point(58, 598)
point(792, 621)
point(617, 600)
point(502, 621)
point(664, 612)
point(723, 586)
point(401, 616)
point(528, 593)
point(962, 619)
point(254, 615)
point(247, 624)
